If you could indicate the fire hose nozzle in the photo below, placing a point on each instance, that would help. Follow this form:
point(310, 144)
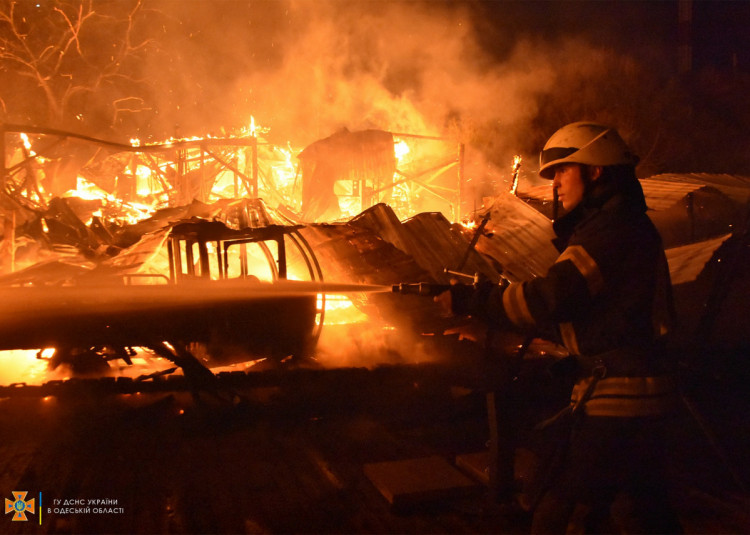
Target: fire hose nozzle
point(420, 288)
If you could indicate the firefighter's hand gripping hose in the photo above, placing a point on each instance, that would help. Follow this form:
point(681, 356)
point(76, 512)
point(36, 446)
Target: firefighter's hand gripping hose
point(482, 300)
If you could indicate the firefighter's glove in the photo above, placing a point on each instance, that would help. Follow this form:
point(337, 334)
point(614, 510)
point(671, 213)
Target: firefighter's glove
point(460, 299)
point(482, 300)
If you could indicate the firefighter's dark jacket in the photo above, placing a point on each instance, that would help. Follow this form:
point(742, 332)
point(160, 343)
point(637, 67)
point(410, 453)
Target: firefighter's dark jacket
point(608, 298)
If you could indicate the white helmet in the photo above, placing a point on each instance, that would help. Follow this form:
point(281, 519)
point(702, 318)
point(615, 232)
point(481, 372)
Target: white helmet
point(584, 143)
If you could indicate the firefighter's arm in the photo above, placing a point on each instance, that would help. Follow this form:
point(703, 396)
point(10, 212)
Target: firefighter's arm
point(567, 288)
point(562, 294)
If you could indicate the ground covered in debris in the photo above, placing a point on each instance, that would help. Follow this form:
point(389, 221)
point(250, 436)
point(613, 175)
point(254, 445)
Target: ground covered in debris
point(287, 456)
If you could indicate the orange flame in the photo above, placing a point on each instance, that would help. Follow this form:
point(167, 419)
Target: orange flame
point(515, 167)
point(27, 144)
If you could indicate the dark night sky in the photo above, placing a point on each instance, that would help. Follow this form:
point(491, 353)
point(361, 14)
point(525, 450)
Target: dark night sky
point(645, 28)
point(721, 30)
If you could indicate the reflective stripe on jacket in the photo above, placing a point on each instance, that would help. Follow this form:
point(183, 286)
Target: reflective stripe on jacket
point(628, 396)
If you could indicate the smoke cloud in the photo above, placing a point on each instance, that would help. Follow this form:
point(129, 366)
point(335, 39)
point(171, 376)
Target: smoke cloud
point(500, 76)
point(308, 69)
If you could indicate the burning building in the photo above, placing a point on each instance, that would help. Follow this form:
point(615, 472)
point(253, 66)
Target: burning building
point(87, 211)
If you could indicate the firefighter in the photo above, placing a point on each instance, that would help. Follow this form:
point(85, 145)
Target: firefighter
point(608, 300)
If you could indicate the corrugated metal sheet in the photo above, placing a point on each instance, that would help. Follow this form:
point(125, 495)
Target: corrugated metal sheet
point(429, 239)
point(736, 187)
point(687, 262)
point(349, 253)
point(376, 248)
point(517, 239)
point(521, 238)
point(660, 194)
point(542, 192)
point(521, 241)
point(439, 245)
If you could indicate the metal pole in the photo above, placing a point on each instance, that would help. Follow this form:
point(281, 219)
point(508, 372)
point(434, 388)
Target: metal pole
point(254, 184)
point(204, 260)
point(203, 194)
point(461, 153)
point(236, 162)
point(3, 170)
point(281, 251)
point(3, 175)
point(13, 243)
point(181, 157)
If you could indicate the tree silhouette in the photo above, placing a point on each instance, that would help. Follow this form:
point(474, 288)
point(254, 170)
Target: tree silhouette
point(74, 64)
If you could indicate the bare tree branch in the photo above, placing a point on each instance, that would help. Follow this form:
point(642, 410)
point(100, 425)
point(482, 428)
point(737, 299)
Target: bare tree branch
point(65, 49)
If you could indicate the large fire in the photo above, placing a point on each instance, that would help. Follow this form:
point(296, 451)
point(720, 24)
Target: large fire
point(141, 178)
point(127, 184)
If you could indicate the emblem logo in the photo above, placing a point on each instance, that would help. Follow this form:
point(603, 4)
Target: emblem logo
point(19, 506)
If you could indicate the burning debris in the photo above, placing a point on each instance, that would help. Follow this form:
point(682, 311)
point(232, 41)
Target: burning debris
point(83, 213)
point(106, 225)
